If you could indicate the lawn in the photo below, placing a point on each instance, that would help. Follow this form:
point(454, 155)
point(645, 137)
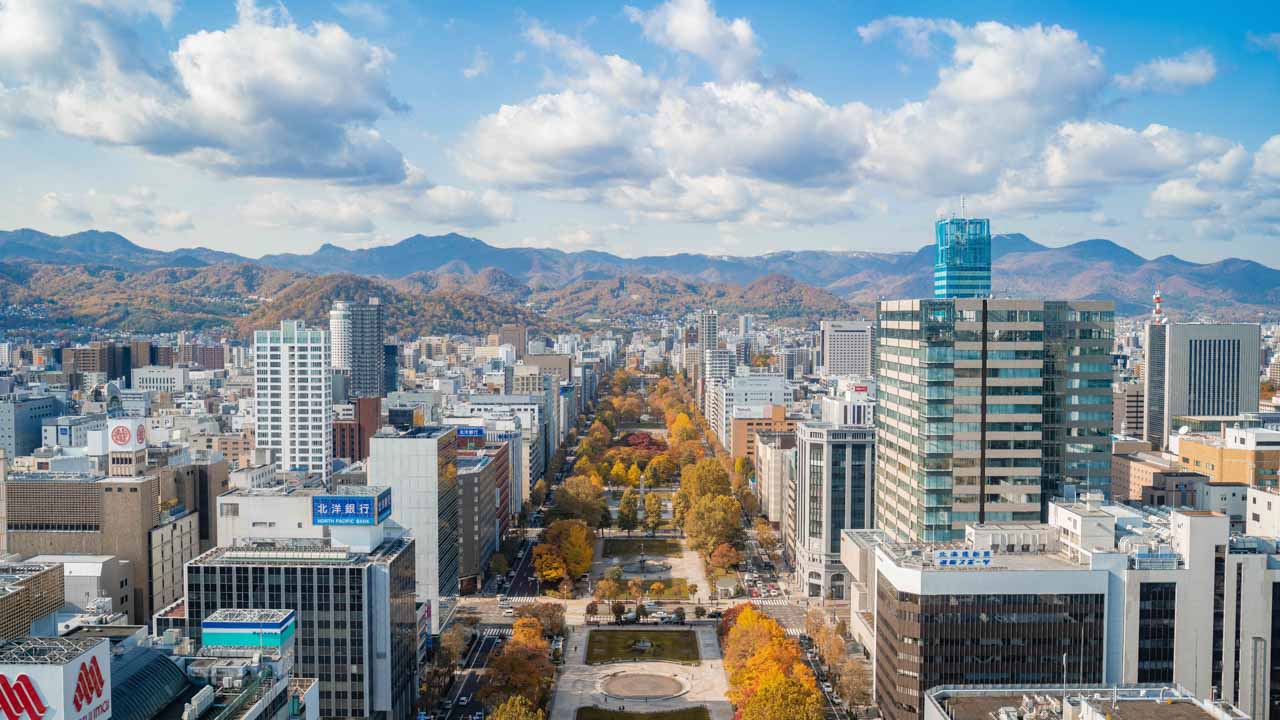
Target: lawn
point(675, 645)
point(672, 589)
point(629, 549)
point(595, 713)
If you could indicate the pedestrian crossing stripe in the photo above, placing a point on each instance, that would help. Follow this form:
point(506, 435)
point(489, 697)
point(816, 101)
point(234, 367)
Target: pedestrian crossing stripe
point(794, 632)
point(522, 598)
point(497, 632)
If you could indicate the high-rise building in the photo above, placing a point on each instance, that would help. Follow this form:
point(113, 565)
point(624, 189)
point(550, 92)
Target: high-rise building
point(517, 336)
point(963, 266)
point(420, 467)
point(391, 367)
point(987, 409)
point(22, 417)
point(1127, 409)
point(775, 470)
point(746, 324)
point(293, 397)
point(357, 623)
point(1199, 369)
point(847, 346)
point(834, 484)
point(709, 329)
point(356, 331)
point(478, 477)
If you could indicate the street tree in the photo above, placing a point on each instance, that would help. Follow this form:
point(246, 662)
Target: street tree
point(548, 565)
point(517, 707)
point(628, 511)
point(652, 512)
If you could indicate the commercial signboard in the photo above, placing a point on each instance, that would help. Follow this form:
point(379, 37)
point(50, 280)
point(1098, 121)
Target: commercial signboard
point(351, 509)
point(77, 690)
point(127, 434)
point(958, 558)
point(469, 431)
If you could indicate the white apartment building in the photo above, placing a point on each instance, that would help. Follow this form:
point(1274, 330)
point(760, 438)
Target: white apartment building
point(746, 388)
point(1199, 369)
point(419, 465)
point(847, 346)
point(775, 471)
point(293, 397)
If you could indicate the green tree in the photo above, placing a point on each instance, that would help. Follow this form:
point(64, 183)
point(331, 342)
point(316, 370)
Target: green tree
point(714, 520)
point(652, 512)
point(679, 509)
point(628, 511)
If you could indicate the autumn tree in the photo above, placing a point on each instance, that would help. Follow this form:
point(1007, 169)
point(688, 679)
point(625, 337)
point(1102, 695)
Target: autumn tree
point(780, 696)
point(539, 492)
point(633, 475)
point(617, 474)
point(656, 588)
point(628, 511)
point(575, 542)
point(652, 512)
point(453, 642)
point(608, 589)
point(517, 707)
point(618, 609)
point(636, 588)
point(521, 671)
point(713, 520)
point(724, 557)
point(705, 477)
point(528, 631)
point(579, 498)
point(550, 616)
point(679, 509)
point(765, 536)
point(547, 563)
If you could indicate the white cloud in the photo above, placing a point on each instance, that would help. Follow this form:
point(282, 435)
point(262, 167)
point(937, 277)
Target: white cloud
point(369, 13)
point(447, 205)
point(479, 65)
point(1269, 42)
point(915, 35)
point(692, 26)
point(66, 208)
point(1192, 68)
point(1180, 198)
point(279, 210)
point(264, 97)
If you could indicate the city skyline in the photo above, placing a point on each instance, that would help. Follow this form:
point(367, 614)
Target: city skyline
point(597, 127)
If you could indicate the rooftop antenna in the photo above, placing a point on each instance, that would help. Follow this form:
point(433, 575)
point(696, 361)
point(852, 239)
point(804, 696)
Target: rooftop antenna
point(961, 206)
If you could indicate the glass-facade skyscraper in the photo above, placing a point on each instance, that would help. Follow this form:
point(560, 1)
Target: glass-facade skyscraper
point(963, 265)
point(988, 409)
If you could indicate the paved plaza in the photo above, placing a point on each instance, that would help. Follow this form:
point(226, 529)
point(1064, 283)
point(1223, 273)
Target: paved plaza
point(644, 687)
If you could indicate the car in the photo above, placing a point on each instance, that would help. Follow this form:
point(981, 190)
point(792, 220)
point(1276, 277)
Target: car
point(659, 614)
point(446, 704)
point(826, 687)
point(714, 614)
point(755, 593)
point(774, 593)
point(464, 701)
point(670, 620)
point(508, 612)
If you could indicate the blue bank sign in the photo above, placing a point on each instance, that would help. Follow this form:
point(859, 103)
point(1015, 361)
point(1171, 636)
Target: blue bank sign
point(467, 431)
point(351, 509)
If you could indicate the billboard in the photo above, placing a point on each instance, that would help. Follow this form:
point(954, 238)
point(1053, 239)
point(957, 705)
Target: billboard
point(351, 509)
point(78, 690)
point(469, 431)
point(962, 558)
point(127, 434)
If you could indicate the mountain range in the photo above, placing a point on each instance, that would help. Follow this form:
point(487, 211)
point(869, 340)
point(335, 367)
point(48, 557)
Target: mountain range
point(565, 282)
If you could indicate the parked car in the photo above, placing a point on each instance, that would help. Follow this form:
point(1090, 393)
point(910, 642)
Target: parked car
point(658, 614)
point(446, 704)
point(826, 687)
point(464, 700)
point(714, 614)
point(508, 612)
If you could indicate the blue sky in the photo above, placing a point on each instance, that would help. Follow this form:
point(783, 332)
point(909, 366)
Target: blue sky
point(643, 128)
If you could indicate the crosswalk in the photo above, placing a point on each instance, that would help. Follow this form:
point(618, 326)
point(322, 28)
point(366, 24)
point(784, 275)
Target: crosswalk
point(523, 598)
point(497, 632)
point(795, 632)
point(773, 601)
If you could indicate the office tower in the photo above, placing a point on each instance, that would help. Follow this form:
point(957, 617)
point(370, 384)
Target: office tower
point(351, 434)
point(852, 404)
point(516, 335)
point(1129, 596)
point(709, 329)
point(54, 513)
point(743, 394)
point(478, 525)
point(847, 346)
point(834, 492)
point(746, 324)
point(775, 471)
point(1198, 369)
point(293, 397)
point(357, 624)
point(390, 368)
point(558, 366)
point(963, 266)
point(419, 465)
point(1127, 409)
point(8, 353)
point(988, 409)
point(356, 331)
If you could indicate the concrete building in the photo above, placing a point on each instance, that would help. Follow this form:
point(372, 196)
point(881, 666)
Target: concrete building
point(748, 420)
point(478, 478)
point(357, 623)
point(31, 594)
point(1198, 369)
point(85, 513)
point(1127, 409)
point(22, 417)
point(558, 366)
point(70, 431)
point(351, 434)
point(1128, 596)
point(709, 329)
point(835, 475)
point(987, 409)
point(293, 397)
point(158, 378)
point(420, 467)
point(516, 335)
point(848, 347)
point(743, 388)
point(1152, 479)
point(357, 331)
point(775, 472)
point(1050, 701)
point(1240, 455)
point(92, 583)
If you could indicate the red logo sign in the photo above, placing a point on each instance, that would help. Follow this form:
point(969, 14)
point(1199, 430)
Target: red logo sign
point(89, 684)
point(120, 435)
point(859, 388)
point(19, 699)
point(142, 435)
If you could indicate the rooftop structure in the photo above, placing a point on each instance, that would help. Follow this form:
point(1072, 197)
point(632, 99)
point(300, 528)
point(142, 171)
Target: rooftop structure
point(43, 650)
point(1045, 702)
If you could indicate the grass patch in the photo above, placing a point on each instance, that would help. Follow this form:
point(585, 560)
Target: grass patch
point(629, 549)
point(609, 645)
point(594, 713)
point(672, 589)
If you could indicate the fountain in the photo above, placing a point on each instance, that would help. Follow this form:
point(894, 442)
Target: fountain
point(643, 565)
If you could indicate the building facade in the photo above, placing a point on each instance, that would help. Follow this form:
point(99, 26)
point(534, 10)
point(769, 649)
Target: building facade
point(357, 331)
point(293, 397)
point(987, 409)
point(1198, 369)
point(963, 265)
point(848, 346)
point(835, 472)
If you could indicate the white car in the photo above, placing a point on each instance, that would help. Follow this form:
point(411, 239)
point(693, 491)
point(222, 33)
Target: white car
point(508, 612)
point(773, 593)
point(462, 701)
point(826, 687)
point(659, 614)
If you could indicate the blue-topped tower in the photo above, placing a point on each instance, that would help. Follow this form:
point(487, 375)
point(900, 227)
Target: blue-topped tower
point(963, 265)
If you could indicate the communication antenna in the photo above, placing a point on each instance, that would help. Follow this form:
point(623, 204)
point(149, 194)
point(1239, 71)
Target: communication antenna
point(961, 206)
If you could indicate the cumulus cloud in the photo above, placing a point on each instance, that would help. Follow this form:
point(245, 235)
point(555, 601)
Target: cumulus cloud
point(358, 213)
point(279, 210)
point(692, 26)
point(369, 13)
point(139, 207)
point(66, 208)
point(1192, 68)
point(264, 97)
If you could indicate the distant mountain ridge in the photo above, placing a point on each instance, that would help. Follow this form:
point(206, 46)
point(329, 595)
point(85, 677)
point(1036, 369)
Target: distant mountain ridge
point(1090, 269)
